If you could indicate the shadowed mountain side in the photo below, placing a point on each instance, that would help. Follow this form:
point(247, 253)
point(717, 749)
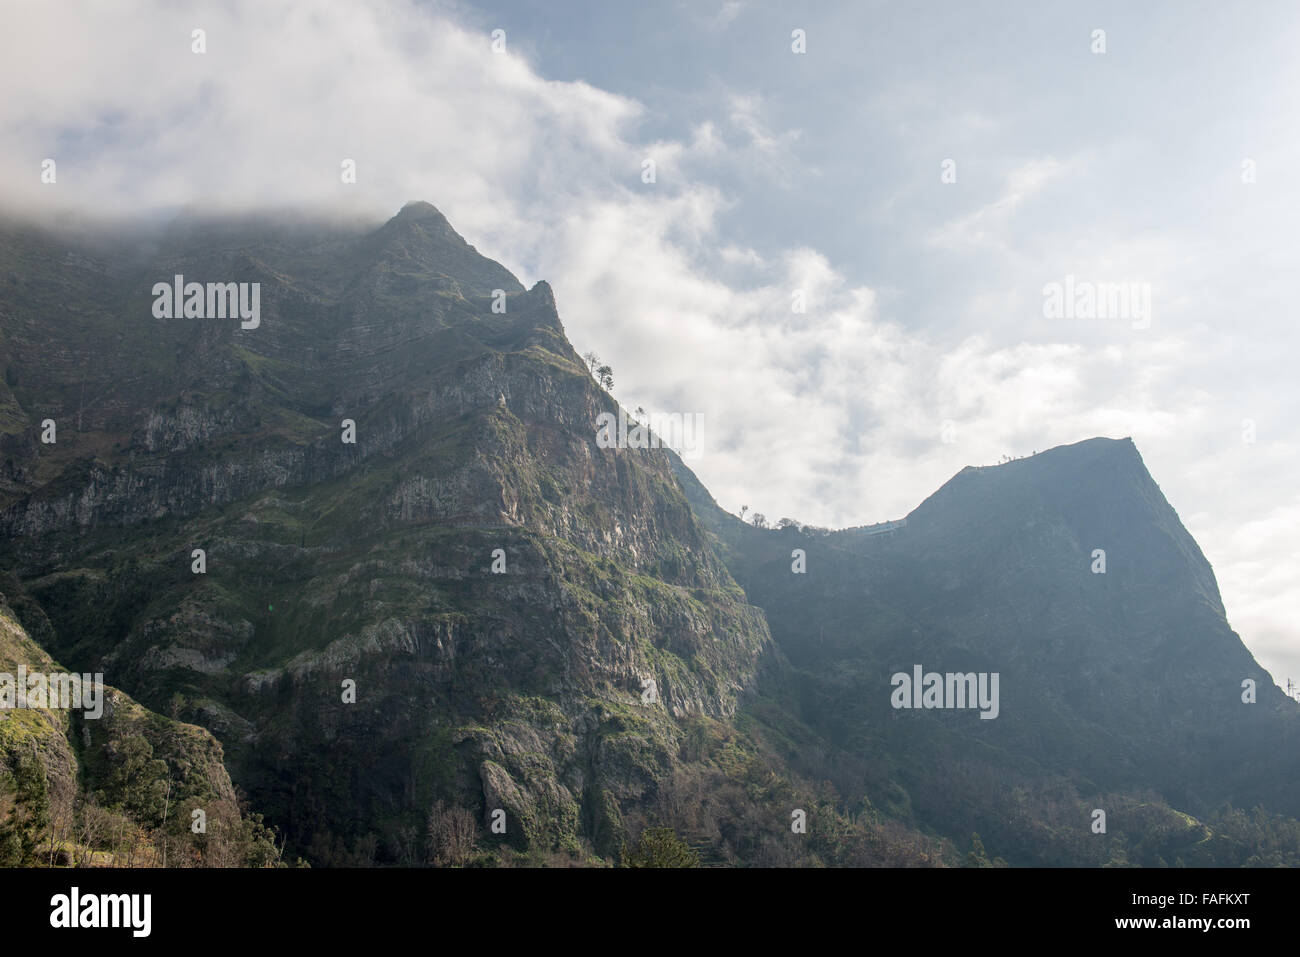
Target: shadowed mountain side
point(528, 623)
point(371, 543)
point(1129, 678)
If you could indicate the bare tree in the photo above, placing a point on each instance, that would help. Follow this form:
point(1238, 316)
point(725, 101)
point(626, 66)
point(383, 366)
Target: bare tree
point(452, 833)
point(167, 803)
point(62, 825)
point(95, 825)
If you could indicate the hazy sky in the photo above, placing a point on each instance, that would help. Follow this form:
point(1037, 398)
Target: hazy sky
point(1168, 160)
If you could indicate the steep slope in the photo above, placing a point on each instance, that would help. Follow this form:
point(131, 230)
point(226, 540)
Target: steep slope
point(371, 544)
point(1125, 680)
point(472, 603)
point(115, 777)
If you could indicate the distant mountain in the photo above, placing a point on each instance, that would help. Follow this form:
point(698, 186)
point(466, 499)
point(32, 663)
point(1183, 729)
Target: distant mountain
point(473, 635)
point(1070, 576)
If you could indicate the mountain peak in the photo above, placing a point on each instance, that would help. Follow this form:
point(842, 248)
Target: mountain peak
point(426, 216)
point(543, 289)
point(419, 209)
point(1097, 447)
point(421, 236)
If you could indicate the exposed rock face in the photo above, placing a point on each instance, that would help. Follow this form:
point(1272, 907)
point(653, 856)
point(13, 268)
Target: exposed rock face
point(1124, 678)
point(77, 752)
point(373, 546)
point(501, 591)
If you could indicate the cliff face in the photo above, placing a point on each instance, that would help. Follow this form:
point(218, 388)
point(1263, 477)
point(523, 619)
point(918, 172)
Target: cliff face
point(371, 544)
point(1069, 575)
point(522, 617)
point(115, 755)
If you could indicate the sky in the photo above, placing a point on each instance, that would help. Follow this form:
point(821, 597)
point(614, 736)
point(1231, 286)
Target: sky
point(840, 261)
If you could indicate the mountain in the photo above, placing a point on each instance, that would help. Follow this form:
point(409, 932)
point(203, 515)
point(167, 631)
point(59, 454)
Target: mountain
point(363, 536)
point(116, 775)
point(328, 562)
point(1118, 678)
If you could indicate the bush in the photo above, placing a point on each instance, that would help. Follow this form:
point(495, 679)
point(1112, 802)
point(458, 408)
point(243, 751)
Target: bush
point(659, 847)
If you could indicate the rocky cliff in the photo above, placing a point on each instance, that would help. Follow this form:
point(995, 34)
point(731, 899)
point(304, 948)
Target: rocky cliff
point(370, 543)
point(522, 616)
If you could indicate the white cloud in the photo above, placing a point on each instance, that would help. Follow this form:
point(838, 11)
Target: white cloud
point(987, 225)
point(832, 416)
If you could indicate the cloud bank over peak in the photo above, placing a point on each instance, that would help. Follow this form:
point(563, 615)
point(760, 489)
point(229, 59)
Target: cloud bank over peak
point(853, 329)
